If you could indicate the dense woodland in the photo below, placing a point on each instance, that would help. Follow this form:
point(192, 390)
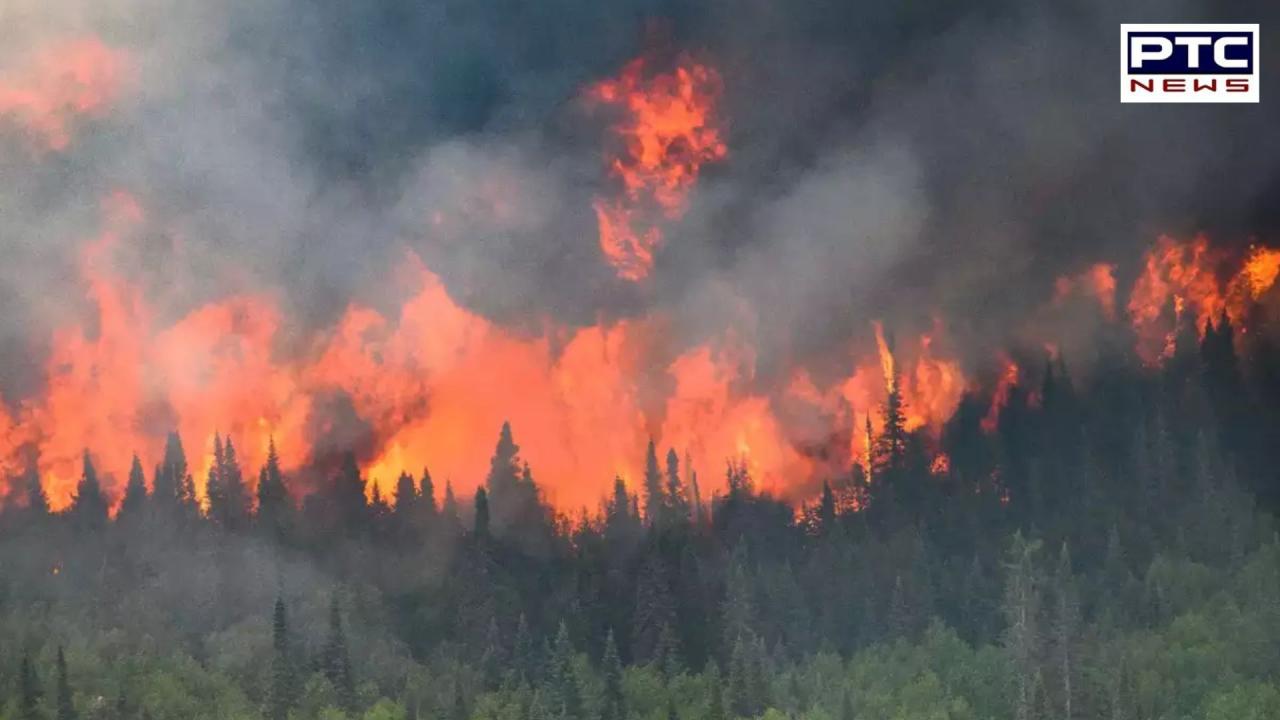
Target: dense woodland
point(1107, 552)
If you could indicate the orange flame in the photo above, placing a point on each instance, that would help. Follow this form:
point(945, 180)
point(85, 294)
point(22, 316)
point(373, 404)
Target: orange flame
point(1000, 398)
point(1185, 276)
point(428, 388)
point(45, 95)
point(669, 129)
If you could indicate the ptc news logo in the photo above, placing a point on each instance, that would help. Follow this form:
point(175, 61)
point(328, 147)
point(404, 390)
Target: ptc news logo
point(1189, 63)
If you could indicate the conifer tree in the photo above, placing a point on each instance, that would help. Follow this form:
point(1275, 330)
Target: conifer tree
point(524, 654)
point(653, 494)
point(65, 707)
point(677, 500)
point(89, 508)
point(275, 508)
point(1022, 630)
point(613, 702)
point(562, 681)
point(236, 515)
point(406, 497)
point(427, 495)
point(170, 477)
point(283, 691)
point(135, 492)
point(655, 610)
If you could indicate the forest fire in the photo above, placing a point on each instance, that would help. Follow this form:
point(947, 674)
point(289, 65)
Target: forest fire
point(668, 130)
point(1180, 282)
point(430, 384)
point(45, 95)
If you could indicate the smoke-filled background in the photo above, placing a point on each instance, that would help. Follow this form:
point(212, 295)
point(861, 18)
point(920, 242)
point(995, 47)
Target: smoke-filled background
point(296, 176)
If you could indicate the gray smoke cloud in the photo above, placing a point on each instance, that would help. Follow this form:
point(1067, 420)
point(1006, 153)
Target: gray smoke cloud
point(895, 160)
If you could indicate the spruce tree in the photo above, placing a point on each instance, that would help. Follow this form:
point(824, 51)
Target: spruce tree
point(89, 508)
point(215, 485)
point(274, 505)
point(236, 515)
point(135, 492)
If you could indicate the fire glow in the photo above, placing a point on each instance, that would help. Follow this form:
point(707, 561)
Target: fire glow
point(668, 130)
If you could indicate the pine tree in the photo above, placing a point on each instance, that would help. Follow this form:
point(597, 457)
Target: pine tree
point(653, 494)
point(37, 498)
point(275, 508)
point(335, 660)
point(135, 492)
point(89, 508)
point(214, 490)
point(283, 691)
point(29, 692)
point(66, 709)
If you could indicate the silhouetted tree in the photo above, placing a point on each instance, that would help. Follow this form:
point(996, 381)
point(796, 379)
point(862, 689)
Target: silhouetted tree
point(275, 507)
point(89, 508)
point(135, 492)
